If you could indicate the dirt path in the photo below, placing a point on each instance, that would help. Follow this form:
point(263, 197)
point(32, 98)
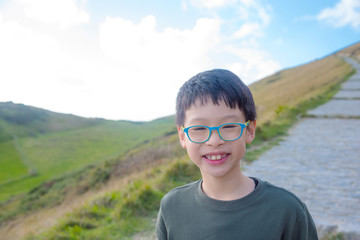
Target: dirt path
point(320, 161)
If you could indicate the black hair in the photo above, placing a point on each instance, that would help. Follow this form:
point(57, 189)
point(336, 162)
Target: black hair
point(217, 85)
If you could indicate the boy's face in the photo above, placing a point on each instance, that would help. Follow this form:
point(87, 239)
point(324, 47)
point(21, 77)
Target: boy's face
point(216, 157)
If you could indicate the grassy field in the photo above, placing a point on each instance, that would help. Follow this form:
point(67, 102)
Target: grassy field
point(51, 155)
point(120, 214)
point(11, 161)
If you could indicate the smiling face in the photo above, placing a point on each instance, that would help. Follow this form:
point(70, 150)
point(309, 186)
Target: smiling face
point(216, 157)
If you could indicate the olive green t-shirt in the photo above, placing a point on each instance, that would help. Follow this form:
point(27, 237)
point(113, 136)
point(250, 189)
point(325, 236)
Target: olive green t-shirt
point(269, 212)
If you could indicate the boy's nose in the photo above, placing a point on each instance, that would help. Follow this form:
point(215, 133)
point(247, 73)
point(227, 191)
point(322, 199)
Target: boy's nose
point(215, 139)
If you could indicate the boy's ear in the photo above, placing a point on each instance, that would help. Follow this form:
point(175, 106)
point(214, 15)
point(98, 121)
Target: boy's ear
point(182, 137)
point(250, 132)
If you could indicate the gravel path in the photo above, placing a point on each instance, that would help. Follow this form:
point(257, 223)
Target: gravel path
point(320, 161)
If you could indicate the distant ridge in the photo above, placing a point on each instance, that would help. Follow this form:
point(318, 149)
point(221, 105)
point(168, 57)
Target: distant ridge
point(352, 51)
point(22, 120)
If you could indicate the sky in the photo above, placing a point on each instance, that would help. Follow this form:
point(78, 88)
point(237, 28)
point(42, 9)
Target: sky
point(126, 60)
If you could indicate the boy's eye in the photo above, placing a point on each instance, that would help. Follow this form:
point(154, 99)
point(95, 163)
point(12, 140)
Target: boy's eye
point(198, 129)
point(230, 126)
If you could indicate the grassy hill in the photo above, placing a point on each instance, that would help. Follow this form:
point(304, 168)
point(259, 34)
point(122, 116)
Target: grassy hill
point(290, 87)
point(109, 176)
point(26, 121)
point(38, 145)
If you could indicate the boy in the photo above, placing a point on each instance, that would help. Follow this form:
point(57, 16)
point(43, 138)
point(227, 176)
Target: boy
point(215, 115)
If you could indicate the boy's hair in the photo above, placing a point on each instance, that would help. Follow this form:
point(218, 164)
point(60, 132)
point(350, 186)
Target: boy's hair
point(217, 85)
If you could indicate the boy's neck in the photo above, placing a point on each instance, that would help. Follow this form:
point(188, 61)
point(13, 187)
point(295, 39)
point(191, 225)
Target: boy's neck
point(227, 188)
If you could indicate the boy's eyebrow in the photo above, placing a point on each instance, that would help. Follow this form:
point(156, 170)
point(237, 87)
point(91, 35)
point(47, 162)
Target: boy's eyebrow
point(231, 116)
point(198, 119)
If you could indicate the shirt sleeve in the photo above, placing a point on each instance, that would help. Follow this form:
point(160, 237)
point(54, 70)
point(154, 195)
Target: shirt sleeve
point(160, 229)
point(305, 228)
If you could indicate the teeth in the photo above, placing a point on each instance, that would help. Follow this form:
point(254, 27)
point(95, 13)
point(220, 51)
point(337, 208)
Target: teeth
point(215, 157)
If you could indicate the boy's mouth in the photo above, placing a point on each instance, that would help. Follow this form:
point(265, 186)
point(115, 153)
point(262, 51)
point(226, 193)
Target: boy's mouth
point(215, 157)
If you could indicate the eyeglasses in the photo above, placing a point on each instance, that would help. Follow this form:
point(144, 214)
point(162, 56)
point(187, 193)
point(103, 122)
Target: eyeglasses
point(227, 132)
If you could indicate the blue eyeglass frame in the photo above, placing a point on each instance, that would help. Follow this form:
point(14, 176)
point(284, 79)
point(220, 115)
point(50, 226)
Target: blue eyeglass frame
point(243, 125)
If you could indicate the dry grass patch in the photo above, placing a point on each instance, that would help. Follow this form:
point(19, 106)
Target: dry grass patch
point(293, 86)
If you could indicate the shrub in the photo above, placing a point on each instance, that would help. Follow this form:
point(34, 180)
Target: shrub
point(182, 172)
point(99, 176)
point(107, 201)
point(141, 203)
point(77, 223)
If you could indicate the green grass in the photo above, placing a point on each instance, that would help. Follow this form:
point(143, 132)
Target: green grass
point(118, 214)
point(56, 153)
point(121, 214)
point(11, 161)
point(52, 192)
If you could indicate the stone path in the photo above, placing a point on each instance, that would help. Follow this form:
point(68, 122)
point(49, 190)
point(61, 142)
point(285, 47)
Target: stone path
point(320, 161)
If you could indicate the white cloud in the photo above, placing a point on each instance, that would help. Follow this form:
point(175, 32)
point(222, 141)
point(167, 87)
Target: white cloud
point(248, 29)
point(37, 70)
point(142, 46)
point(37, 67)
point(152, 65)
point(247, 10)
point(134, 72)
point(63, 13)
point(253, 64)
point(251, 15)
point(345, 12)
point(263, 13)
point(25, 57)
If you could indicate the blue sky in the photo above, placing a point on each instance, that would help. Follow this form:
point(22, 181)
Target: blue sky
point(127, 59)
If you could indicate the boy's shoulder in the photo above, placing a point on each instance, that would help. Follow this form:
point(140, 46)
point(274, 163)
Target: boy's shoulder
point(181, 192)
point(280, 195)
point(183, 189)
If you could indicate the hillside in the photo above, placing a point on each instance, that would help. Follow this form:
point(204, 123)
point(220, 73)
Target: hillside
point(38, 145)
point(27, 121)
point(114, 192)
point(290, 87)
